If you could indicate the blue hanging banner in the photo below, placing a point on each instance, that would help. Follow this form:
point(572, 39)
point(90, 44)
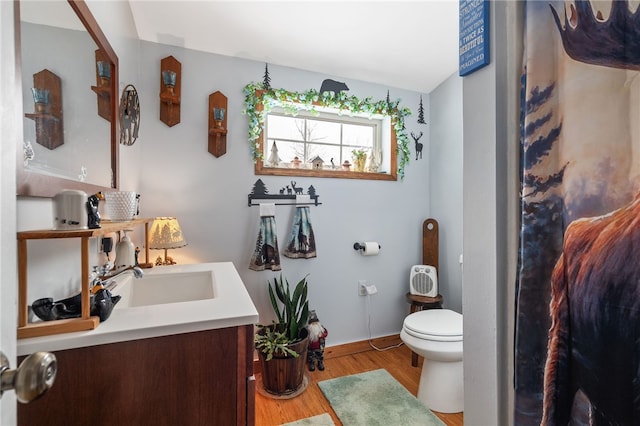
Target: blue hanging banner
point(473, 35)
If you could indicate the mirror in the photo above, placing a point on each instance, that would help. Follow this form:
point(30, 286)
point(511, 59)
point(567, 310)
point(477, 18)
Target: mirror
point(65, 39)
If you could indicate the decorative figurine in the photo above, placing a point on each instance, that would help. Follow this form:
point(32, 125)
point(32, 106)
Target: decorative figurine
point(274, 158)
point(93, 218)
point(137, 254)
point(317, 334)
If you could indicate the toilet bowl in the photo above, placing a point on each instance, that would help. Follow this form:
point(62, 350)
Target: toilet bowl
point(436, 335)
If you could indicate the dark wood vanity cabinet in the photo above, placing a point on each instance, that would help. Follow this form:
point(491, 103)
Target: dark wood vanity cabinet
point(198, 378)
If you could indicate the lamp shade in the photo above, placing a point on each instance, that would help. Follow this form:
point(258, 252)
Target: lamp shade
point(166, 234)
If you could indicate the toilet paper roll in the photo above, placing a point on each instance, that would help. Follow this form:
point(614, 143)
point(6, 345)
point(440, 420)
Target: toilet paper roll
point(371, 248)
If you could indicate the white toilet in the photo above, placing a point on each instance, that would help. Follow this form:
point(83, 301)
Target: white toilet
point(436, 334)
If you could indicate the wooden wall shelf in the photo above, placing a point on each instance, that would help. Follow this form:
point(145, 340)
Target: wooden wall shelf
point(170, 96)
point(86, 321)
point(49, 123)
point(103, 87)
point(217, 128)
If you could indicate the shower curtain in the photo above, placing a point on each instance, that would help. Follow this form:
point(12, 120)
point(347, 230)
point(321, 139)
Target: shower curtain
point(577, 337)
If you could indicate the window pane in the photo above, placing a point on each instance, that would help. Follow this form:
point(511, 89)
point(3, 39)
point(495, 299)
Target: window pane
point(285, 127)
point(323, 131)
point(357, 136)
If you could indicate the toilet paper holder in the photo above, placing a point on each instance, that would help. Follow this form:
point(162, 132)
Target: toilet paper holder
point(360, 246)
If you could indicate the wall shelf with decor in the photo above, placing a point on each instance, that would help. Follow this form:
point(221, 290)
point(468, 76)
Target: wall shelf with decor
point(103, 87)
point(287, 195)
point(47, 97)
point(217, 143)
point(86, 321)
point(170, 90)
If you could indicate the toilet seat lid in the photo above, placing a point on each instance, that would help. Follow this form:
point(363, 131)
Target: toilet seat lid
point(435, 322)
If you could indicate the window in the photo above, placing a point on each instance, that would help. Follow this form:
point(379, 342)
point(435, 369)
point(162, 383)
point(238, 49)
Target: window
point(308, 134)
point(324, 142)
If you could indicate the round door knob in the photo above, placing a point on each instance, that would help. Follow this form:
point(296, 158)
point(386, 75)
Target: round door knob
point(33, 377)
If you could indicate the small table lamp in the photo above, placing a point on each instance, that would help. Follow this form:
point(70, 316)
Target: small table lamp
point(166, 234)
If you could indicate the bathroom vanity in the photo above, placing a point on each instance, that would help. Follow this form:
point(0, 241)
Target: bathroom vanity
point(177, 350)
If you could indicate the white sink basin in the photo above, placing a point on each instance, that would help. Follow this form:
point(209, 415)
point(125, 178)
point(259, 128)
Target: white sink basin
point(170, 288)
point(158, 289)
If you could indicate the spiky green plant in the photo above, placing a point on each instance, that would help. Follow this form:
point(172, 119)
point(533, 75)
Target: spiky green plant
point(292, 312)
point(293, 316)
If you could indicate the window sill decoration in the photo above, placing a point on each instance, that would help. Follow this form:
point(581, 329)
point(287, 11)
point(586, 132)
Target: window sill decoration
point(258, 102)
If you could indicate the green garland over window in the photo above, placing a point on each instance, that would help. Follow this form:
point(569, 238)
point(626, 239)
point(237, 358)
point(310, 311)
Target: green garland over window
point(292, 102)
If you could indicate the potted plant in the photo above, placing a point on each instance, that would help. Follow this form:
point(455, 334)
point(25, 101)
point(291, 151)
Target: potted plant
point(359, 159)
point(282, 346)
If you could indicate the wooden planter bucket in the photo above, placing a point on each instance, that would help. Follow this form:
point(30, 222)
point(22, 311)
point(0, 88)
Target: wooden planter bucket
point(284, 375)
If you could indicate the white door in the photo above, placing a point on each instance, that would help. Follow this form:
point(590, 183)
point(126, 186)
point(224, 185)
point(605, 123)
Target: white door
point(10, 134)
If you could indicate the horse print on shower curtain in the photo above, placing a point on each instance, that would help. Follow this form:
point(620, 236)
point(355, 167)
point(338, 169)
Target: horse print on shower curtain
point(577, 342)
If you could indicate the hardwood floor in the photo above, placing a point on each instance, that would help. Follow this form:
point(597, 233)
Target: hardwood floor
point(341, 361)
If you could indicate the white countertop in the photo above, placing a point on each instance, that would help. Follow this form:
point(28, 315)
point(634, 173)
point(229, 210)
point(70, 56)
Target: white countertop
point(230, 307)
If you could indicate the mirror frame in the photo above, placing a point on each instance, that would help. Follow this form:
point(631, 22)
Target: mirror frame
point(38, 185)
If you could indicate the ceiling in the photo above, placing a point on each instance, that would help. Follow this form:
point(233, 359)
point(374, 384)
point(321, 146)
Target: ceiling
point(409, 45)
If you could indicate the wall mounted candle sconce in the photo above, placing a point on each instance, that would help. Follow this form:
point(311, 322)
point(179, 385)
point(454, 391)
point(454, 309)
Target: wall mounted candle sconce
point(47, 98)
point(103, 88)
point(217, 124)
point(170, 83)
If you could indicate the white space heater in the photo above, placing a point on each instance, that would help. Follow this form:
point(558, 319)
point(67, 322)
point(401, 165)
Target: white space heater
point(423, 281)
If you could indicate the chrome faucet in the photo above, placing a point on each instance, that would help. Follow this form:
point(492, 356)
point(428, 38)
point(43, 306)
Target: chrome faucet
point(108, 281)
point(137, 272)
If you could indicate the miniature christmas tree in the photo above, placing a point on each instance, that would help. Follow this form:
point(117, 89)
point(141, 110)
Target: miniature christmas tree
point(274, 159)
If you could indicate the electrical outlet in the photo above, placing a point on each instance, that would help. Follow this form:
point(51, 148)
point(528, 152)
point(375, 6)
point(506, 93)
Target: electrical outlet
point(362, 287)
point(100, 249)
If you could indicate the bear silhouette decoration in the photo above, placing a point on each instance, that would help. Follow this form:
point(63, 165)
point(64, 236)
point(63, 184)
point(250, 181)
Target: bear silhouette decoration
point(329, 85)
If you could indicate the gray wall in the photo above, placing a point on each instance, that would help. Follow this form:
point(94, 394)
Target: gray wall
point(490, 224)
point(445, 191)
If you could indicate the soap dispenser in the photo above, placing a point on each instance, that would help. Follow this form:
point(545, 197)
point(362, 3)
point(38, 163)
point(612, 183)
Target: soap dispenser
point(125, 252)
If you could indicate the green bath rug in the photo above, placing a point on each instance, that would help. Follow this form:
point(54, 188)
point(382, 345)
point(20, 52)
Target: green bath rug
point(375, 398)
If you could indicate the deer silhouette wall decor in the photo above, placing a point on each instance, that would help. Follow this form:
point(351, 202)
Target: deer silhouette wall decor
point(418, 144)
point(297, 189)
